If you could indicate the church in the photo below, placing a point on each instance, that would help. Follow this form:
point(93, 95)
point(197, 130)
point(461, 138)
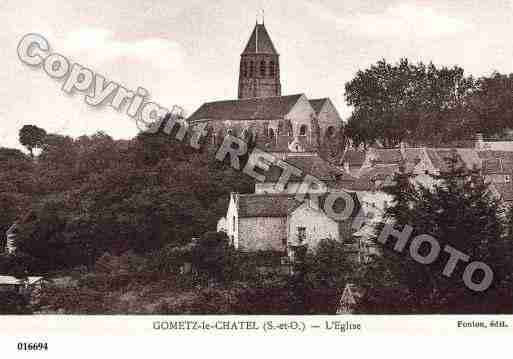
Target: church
point(277, 124)
point(292, 128)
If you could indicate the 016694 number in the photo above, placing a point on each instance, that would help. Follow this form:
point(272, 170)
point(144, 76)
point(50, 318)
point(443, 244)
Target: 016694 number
point(32, 346)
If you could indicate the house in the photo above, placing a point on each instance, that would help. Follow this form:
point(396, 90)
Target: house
point(10, 235)
point(10, 284)
point(270, 221)
point(24, 286)
point(350, 298)
point(326, 174)
point(492, 145)
point(497, 166)
point(352, 160)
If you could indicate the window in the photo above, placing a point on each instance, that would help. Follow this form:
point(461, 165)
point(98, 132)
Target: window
point(270, 133)
point(302, 130)
point(233, 224)
point(245, 69)
point(280, 128)
point(251, 68)
point(301, 234)
point(507, 179)
point(262, 68)
point(330, 132)
point(271, 69)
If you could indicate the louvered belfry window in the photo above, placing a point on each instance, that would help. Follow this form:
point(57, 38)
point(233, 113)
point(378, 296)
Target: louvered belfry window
point(262, 68)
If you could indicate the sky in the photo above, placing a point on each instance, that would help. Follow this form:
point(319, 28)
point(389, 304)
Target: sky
point(187, 52)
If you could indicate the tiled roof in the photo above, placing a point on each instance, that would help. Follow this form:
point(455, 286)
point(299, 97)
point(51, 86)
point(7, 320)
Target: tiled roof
point(246, 109)
point(308, 164)
point(260, 42)
point(387, 156)
point(487, 154)
point(414, 154)
point(317, 104)
point(358, 184)
point(265, 205)
point(340, 204)
point(441, 158)
point(353, 157)
point(470, 157)
point(505, 191)
point(281, 205)
point(379, 172)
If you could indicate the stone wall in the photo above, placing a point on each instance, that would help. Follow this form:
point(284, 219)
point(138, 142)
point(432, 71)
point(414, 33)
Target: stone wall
point(262, 233)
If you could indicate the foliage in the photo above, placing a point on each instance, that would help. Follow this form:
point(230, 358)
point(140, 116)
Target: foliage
point(329, 266)
point(492, 102)
point(412, 102)
point(457, 211)
point(87, 196)
point(13, 303)
point(32, 137)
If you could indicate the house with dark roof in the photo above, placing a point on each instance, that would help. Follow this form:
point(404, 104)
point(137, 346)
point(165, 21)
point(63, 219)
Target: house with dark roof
point(497, 166)
point(276, 221)
point(260, 114)
point(352, 160)
point(325, 173)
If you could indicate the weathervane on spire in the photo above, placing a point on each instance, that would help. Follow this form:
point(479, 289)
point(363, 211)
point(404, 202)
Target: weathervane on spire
point(263, 17)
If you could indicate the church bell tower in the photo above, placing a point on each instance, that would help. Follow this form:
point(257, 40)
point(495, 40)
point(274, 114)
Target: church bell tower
point(259, 74)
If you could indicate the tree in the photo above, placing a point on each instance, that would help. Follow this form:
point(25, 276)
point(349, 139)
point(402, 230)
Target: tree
point(492, 102)
point(406, 101)
point(211, 254)
point(457, 211)
point(13, 303)
point(32, 137)
point(329, 266)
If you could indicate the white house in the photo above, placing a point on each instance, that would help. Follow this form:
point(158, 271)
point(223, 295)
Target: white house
point(266, 221)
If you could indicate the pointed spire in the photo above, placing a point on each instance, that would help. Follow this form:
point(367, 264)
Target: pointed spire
point(260, 41)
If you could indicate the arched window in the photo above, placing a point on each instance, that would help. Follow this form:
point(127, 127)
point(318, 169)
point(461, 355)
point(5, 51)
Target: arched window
point(244, 69)
point(280, 128)
point(303, 130)
point(271, 69)
point(288, 128)
point(262, 68)
point(251, 68)
point(330, 132)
